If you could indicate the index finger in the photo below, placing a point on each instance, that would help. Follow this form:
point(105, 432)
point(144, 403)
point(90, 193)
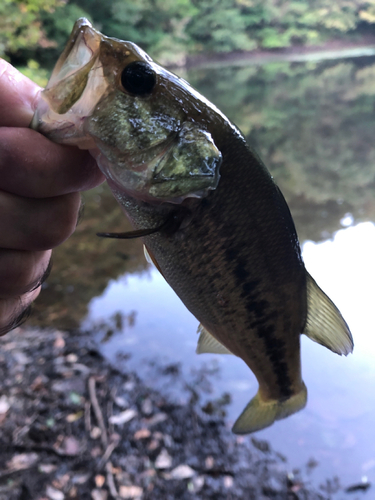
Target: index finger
point(17, 97)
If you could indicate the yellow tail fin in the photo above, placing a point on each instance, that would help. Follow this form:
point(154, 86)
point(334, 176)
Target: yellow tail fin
point(260, 414)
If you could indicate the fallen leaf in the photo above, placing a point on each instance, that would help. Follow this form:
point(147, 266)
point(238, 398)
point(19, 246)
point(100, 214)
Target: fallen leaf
point(22, 461)
point(123, 417)
point(73, 417)
point(142, 434)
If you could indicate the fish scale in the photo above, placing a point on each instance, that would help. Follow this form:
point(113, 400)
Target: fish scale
point(212, 219)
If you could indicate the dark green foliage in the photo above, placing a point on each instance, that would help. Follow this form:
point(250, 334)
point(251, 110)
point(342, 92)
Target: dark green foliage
point(170, 29)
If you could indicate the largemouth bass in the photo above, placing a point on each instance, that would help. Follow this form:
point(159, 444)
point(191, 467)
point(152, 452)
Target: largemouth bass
point(211, 217)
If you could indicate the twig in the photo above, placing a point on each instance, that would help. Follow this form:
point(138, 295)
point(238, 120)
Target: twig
point(108, 452)
point(104, 438)
point(97, 411)
point(111, 481)
point(88, 417)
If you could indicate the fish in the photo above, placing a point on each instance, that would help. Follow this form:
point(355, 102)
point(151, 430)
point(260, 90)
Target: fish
point(211, 217)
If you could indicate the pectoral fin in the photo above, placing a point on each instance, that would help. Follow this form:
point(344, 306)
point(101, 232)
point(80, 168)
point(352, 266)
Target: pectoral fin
point(151, 259)
point(260, 414)
point(208, 344)
point(324, 323)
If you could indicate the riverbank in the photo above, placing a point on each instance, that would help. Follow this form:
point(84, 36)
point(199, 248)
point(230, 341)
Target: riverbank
point(334, 49)
point(74, 427)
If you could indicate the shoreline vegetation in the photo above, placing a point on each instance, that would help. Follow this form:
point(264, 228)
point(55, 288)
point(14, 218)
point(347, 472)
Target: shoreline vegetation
point(187, 32)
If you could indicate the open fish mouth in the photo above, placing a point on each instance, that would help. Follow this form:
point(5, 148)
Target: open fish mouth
point(70, 94)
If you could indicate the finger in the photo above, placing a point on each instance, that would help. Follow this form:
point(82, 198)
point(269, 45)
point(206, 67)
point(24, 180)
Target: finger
point(18, 95)
point(37, 224)
point(22, 272)
point(14, 311)
point(33, 166)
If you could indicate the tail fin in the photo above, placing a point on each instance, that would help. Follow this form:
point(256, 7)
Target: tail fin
point(260, 414)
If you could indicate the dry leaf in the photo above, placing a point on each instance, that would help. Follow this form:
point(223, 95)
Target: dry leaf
point(123, 417)
point(130, 491)
point(142, 434)
point(22, 461)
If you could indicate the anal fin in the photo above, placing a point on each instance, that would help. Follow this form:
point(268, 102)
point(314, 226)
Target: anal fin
point(260, 414)
point(208, 344)
point(324, 323)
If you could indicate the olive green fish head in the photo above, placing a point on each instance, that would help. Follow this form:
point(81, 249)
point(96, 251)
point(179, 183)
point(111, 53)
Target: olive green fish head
point(137, 119)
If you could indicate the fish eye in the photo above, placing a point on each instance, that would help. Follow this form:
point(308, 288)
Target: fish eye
point(138, 78)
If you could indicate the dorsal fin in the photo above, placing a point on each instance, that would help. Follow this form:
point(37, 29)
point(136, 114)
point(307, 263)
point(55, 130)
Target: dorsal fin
point(208, 344)
point(324, 323)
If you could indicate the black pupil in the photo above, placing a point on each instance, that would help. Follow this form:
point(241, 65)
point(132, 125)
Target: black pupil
point(138, 78)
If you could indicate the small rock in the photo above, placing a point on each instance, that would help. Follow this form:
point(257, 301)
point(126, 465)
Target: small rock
point(21, 358)
point(59, 343)
point(163, 460)
point(54, 494)
point(71, 358)
point(99, 494)
point(130, 491)
point(99, 480)
point(4, 405)
point(228, 481)
point(182, 472)
point(71, 446)
point(197, 483)
point(80, 478)
point(123, 417)
point(147, 406)
point(95, 433)
point(47, 468)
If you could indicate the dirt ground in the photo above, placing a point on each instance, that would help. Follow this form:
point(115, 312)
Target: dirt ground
point(74, 427)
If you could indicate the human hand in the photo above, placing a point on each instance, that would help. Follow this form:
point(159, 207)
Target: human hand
point(39, 196)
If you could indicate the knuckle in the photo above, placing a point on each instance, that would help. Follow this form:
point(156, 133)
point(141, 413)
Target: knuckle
point(60, 221)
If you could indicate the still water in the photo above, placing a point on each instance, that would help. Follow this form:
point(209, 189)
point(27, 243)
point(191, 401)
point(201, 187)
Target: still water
point(313, 124)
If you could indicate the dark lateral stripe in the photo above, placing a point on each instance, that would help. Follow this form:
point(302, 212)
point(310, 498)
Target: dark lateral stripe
point(260, 319)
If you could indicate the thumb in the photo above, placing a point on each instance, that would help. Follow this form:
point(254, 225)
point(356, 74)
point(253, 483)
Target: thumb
point(17, 96)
